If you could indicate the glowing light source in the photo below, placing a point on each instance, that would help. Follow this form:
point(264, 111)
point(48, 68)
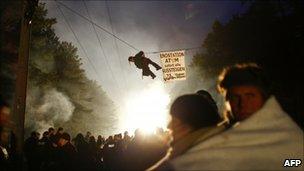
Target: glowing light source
point(146, 109)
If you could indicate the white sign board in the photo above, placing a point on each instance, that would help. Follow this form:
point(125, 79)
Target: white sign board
point(173, 65)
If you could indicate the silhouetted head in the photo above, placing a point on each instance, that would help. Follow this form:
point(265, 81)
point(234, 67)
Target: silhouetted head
point(33, 134)
point(45, 134)
point(92, 139)
point(208, 96)
point(79, 137)
point(191, 112)
point(60, 130)
point(66, 136)
point(51, 129)
point(195, 111)
point(131, 59)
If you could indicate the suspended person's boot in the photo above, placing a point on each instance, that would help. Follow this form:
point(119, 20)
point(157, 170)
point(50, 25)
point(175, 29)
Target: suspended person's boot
point(153, 76)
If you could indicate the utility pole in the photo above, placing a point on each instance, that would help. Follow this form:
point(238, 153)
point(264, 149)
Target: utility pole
point(22, 70)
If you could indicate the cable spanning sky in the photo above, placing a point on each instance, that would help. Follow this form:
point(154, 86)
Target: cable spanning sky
point(150, 26)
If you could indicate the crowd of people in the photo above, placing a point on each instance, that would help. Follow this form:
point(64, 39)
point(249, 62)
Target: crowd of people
point(58, 151)
point(254, 134)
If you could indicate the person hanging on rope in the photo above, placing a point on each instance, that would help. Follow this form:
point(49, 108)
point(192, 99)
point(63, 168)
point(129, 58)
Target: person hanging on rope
point(143, 62)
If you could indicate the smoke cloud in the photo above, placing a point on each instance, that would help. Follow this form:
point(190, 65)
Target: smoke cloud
point(45, 108)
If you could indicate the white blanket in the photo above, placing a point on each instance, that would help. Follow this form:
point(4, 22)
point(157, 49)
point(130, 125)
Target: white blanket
point(261, 142)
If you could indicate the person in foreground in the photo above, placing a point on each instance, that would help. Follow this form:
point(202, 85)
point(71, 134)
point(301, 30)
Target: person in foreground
point(263, 135)
point(194, 120)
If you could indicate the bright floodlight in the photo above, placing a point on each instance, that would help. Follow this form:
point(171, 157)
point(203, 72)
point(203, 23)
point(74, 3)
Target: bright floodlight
point(146, 109)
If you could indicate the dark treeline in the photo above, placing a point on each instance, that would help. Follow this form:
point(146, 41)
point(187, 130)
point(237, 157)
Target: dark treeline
point(270, 34)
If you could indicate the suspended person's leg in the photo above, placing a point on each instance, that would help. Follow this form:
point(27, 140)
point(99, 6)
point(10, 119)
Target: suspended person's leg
point(148, 72)
point(154, 64)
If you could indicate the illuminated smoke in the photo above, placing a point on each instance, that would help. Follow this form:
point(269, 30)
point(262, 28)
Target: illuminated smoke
point(45, 108)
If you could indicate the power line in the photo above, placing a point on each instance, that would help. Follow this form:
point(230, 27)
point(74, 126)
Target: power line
point(125, 42)
point(186, 49)
point(86, 55)
point(97, 25)
point(117, 49)
point(100, 45)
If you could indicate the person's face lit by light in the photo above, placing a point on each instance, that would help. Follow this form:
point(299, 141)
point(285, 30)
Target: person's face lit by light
point(245, 100)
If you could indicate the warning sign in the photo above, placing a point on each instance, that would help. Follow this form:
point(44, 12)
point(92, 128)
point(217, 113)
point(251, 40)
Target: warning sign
point(173, 65)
